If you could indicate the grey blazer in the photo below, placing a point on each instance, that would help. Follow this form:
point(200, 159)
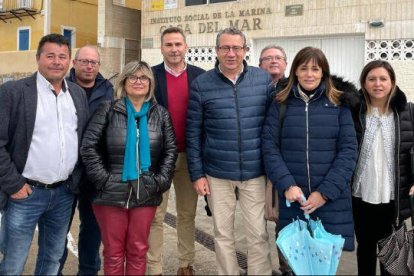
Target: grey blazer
point(18, 102)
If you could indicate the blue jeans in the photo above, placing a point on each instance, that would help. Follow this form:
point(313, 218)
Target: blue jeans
point(2, 231)
point(50, 209)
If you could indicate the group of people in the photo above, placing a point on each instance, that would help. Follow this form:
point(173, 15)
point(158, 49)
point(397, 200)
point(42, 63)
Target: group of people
point(336, 153)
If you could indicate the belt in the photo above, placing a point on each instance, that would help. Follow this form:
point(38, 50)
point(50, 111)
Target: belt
point(43, 185)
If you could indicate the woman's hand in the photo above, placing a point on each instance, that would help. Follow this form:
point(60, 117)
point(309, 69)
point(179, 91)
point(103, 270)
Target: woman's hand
point(294, 193)
point(315, 200)
point(411, 190)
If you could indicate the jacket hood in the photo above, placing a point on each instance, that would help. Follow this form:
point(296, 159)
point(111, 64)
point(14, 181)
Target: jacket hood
point(350, 92)
point(398, 100)
point(349, 96)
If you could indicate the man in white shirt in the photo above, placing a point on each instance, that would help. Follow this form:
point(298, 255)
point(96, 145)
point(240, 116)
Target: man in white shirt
point(42, 120)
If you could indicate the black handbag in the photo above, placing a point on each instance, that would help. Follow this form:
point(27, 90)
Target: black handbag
point(396, 251)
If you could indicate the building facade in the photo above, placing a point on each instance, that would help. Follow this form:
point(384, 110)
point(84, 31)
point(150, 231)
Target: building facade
point(112, 25)
point(23, 23)
point(350, 32)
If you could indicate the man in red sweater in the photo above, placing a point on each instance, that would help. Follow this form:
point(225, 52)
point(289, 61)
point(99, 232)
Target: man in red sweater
point(172, 81)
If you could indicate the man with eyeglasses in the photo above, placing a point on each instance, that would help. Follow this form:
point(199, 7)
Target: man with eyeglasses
point(273, 60)
point(85, 73)
point(225, 115)
point(172, 80)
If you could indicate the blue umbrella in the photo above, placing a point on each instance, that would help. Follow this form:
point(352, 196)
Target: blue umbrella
point(337, 242)
point(309, 248)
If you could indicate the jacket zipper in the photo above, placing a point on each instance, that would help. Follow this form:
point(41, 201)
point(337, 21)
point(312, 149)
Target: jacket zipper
point(138, 166)
point(238, 131)
point(397, 167)
point(307, 145)
point(139, 172)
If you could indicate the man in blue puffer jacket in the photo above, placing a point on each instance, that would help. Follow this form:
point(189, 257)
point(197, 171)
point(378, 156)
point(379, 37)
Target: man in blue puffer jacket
point(226, 111)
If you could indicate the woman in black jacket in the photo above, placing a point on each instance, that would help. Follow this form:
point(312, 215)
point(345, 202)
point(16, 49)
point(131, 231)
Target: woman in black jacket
point(383, 178)
point(129, 151)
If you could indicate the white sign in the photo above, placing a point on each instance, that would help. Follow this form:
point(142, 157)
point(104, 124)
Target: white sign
point(170, 4)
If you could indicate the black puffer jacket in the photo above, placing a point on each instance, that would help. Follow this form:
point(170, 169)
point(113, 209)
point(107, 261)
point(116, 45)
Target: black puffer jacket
point(103, 148)
point(404, 140)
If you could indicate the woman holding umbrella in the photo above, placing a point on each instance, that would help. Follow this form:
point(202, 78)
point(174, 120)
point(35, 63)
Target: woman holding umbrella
point(383, 177)
point(311, 152)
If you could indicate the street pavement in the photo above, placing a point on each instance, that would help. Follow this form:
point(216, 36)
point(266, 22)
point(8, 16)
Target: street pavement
point(205, 257)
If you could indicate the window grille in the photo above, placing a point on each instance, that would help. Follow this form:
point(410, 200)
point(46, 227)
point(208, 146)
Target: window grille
point(205, 55)
point(395, 49)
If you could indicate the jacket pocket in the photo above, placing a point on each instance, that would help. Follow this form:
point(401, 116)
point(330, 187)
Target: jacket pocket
point(146, 188)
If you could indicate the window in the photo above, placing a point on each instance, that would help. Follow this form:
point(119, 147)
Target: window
point(1, 5)
point(23, 38)
point(220, 1)
point(70, 34)
point(203, 2)
point(25, 3)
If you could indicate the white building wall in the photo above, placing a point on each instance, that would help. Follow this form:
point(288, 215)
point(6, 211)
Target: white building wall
point(267, 19)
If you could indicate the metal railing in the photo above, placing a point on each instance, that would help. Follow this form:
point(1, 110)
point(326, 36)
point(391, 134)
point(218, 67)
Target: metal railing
point(8, 5)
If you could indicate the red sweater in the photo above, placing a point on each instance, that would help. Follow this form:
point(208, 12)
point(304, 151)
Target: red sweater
point(177, 105)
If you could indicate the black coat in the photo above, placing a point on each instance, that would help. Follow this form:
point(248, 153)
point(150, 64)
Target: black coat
point(103, 148)
point(404, 140)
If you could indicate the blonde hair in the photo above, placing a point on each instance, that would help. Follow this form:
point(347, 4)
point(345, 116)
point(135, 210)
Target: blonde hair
point(130, 69)
point(304, 56)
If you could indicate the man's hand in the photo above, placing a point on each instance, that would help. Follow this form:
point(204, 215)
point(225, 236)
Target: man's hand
point(294, 193)
point(201, 186)
point(24, 192)
point(315, 200)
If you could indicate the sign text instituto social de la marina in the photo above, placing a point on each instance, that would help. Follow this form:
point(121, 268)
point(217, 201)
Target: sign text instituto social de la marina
point(244, 20)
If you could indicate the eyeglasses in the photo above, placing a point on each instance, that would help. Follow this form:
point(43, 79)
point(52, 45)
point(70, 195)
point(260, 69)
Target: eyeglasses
point(134, 79)
point(270, 58)
point(85, 62)
point(226, 49)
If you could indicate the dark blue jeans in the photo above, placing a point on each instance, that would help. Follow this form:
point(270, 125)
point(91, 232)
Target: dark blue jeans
point(89, 239)
point(50, 209)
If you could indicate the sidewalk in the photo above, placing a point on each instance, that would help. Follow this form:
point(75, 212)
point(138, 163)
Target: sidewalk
point(205, 256)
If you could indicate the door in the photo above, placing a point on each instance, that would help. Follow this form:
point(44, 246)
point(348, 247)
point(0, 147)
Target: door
point(345, 54)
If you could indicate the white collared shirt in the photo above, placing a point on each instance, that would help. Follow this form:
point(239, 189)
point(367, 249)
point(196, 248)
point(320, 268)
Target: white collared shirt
point(53, 150)
point(175, 74)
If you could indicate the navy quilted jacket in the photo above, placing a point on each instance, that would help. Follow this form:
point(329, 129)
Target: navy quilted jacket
point(224, 123)
point(317, 152)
